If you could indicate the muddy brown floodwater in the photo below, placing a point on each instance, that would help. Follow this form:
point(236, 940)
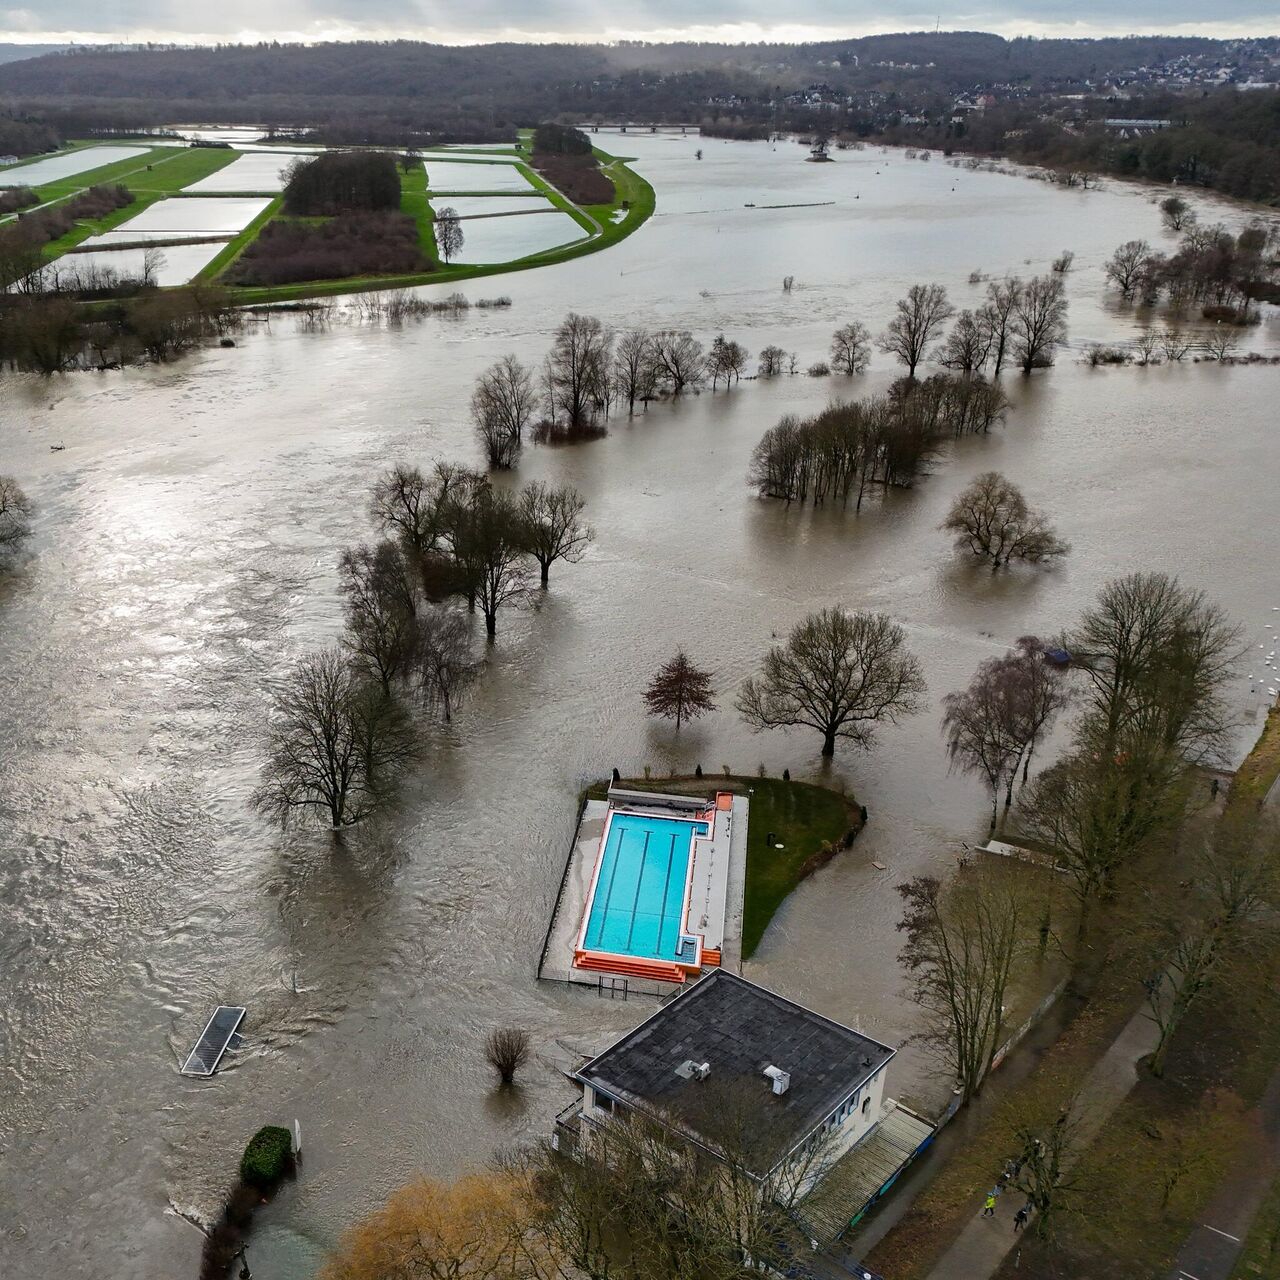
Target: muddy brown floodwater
point(189, 525)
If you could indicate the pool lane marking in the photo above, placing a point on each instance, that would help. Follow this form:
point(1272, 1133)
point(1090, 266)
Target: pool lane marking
point(666, 889)
point(1215, 1230)
point(635, 900)
point(613, 871)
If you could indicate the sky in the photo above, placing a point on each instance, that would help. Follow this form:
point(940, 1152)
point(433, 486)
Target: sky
point(92, 21)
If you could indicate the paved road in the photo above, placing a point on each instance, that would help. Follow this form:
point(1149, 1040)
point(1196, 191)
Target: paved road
point(982, 1246)
point(1210, 1251)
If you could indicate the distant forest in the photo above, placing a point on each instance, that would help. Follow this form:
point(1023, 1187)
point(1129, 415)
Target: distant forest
point(895, 87)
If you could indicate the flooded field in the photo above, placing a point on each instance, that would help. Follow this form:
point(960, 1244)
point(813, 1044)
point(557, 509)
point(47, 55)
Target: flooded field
point(185, 216)
point(190, 519)
point(258, 171)
point(506, 239)
point(180, 263)
point(474, 175)
point(55, 168)
point(482, 206)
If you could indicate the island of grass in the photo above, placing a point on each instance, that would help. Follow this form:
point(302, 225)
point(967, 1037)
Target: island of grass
point(615, 202)
point(810, 822)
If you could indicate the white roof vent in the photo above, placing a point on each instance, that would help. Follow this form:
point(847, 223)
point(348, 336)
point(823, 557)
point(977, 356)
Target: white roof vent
point(691, 1070)
point(781, 1079)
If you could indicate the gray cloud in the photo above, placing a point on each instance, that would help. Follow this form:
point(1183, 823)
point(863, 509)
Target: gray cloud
point(487, 19)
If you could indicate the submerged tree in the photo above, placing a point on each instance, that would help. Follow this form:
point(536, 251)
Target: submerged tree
point(442, 659)
point(992, 520)
point(680, 691)
point(851, 348)
point(919, 317)
point(488, 538)
point(507, 1050)
point(338, 744)
point(553, 525)
point(1040, 321)
point(449, 234)
point(840, 673)
point(996, 317)
point(575, 377)
point(502, 406)
point(378, 589)
point(961, 949)
point(634, 373)
point(677, 360)
point(15, 514)
point(772, 361)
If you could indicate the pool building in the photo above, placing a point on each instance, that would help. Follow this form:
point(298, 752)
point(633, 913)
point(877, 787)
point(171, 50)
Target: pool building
point(652, 892)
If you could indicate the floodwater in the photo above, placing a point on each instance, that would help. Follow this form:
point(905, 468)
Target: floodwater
point(180, 263)
point(67, 165)
point(484, 206)
point(185, 216)
point(190, 519)
point(475, 175)
point(504, 239)
point(257, 171)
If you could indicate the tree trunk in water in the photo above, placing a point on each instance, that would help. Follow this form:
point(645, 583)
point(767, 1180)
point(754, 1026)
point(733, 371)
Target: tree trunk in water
point(491, 624)
point(546, 569)
point(829, 743)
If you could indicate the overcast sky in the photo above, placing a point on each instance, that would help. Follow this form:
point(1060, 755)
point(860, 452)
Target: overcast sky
point(453, 22)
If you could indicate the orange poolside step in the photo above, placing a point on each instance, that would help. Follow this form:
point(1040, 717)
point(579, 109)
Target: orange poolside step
point(629, 967)
point(710, 957)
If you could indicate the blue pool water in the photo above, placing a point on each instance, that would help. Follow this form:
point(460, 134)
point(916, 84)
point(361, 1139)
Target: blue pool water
point(639, 895)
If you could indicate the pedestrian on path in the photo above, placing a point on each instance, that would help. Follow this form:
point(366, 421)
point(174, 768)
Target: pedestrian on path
point(989, 1208)
point(1020, 1218)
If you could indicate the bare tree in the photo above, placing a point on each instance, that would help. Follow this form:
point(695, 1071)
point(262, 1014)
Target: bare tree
point(576, 375)
point(1221, 343)
point(449, 234)
point(967, 346)
point(634, 376)
point(488, 536)
point(680, 690)
point(851, 349)
point(502, 406)
point(978, 724)
point(1040, 321)
point(839, 673)
point(1176, 213)
point(1174, 344)
point(1127, 268)
point(997, 317)
point(377, 586)
point(1045, 1156)
point(337, 746)
point(442, 659)
point(991, 519)
point(920, 315)
point(772, 361)
point(553, 525)
point(726, 359)
point(507, 1050)
point(1157, 657)
point(961, 949)
point(1227, 905)
point(1146, 345)
point(677, 359)
point(16, 511)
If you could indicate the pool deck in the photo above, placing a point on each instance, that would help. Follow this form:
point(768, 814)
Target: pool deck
point(717, 887)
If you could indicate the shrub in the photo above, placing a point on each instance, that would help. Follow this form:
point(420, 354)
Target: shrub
point(819, 370)
point(17, 198)
point(354, 244)
point(343, 182)
point(267, 1158)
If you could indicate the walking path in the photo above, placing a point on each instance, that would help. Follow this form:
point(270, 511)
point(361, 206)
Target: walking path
point(981, 1247)
point(1211, 1250)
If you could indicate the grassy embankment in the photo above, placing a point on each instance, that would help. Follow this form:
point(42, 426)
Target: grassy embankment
point(416, 199)
point(802, 816)
point(1146, 1180)
point(171, 169)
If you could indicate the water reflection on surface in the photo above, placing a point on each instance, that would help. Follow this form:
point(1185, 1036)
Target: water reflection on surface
point(186, 553)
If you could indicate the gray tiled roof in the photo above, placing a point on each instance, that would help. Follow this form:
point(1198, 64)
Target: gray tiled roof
point(738, 1028)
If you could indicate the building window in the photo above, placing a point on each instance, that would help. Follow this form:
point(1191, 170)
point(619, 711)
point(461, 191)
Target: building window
point(866, 1106)
point(604, 1103)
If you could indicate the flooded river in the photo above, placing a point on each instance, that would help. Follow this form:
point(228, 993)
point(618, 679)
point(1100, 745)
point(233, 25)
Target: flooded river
point(190, 519)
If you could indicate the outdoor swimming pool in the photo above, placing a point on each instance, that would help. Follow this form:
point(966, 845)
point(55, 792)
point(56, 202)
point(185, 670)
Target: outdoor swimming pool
point(638, 901)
